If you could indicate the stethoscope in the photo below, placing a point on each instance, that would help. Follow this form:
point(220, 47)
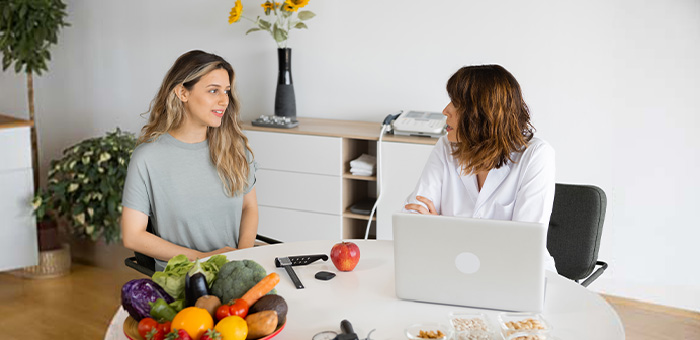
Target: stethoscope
point(347, 333)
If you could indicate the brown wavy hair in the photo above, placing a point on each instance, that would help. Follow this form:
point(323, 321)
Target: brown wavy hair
point(494, 120)
point(227, 143)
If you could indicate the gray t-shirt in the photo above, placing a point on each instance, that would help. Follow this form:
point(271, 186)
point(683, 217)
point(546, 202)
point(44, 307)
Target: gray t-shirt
point(178, 187)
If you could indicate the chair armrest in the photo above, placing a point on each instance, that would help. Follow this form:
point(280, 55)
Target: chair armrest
point(131, 262)
point(595, 274)
point(267, 239)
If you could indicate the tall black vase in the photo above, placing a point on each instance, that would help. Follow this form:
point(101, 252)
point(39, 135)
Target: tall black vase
point(285, 103)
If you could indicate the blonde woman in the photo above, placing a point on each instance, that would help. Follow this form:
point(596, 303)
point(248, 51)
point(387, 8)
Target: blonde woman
point(192, 173)
point(489, 165)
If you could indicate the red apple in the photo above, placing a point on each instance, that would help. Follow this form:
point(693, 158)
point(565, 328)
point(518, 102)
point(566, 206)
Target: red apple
point(345, 256)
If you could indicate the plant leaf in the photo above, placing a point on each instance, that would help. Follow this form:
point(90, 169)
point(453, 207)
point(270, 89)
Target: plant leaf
point(253, 30)
point(300, 25)
point(306, 15)
point(279, 34)
point(264, 24)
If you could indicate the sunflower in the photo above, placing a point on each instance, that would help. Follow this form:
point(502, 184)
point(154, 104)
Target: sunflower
point(289, 8)
point(294, 5)
point(269, 6)
point(297, 3)
point(236, 12)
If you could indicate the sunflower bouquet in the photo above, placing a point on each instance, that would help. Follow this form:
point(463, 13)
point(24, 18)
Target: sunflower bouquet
point(279, 18)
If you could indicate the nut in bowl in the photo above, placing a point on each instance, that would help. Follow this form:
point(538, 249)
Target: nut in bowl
point(471, 326)
point(422, 331)
point(524, 326)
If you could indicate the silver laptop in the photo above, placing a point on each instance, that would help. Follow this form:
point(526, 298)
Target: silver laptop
point(470, 262)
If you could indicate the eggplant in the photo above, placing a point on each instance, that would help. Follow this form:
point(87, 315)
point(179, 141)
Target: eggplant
point(195, 287)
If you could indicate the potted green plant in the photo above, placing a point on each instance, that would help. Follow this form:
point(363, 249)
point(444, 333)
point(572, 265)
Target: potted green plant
point(84, 188)
point(27, 31)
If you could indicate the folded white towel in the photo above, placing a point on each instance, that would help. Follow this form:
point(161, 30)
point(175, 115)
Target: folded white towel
point(365, 161)
point(362, 172)
point(362, 168)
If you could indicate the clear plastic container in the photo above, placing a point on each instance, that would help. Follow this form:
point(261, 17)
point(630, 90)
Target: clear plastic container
point(471, 326)
point(413, 331)
point(524, 326)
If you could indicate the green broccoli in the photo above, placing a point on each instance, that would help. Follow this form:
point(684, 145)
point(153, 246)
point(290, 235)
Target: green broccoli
point(236, 278)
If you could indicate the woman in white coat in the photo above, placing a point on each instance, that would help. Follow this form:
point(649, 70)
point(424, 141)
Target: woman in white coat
point(489, 165)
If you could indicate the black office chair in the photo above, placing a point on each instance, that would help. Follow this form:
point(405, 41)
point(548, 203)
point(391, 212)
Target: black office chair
point(575, 229)
point(147, 265)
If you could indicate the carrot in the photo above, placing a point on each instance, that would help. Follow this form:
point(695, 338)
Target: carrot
point(261, 288)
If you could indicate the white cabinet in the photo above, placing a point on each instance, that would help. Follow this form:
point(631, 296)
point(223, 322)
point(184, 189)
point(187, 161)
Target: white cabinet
point(402, 165)
point(18, 241)
point(298, 185)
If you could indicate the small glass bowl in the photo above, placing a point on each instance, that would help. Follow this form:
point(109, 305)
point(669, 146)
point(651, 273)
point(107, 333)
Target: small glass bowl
point(413, 331)
point(470, 326)
point(524, 326)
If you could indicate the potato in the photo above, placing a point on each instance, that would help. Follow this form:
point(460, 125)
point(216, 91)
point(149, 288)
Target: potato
point(209, 302)
point(261, 324)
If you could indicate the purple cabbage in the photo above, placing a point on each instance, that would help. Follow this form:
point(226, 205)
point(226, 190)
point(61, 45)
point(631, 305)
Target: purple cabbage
point(136, 294)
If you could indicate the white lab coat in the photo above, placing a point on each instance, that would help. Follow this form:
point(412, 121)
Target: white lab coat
point(522, 190)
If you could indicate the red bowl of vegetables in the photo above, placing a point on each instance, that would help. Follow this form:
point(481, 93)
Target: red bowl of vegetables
point(201, 287)
point(131, 330)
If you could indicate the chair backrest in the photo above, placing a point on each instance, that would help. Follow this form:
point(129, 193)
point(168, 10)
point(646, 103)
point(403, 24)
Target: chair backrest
point(575, 228)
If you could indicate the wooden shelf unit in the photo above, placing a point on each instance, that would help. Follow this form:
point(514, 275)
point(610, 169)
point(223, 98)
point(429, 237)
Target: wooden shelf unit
point(357, 188)
point(356, 138)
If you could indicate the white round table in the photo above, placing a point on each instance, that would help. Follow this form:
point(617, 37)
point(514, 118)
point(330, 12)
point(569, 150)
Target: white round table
point(366, 298)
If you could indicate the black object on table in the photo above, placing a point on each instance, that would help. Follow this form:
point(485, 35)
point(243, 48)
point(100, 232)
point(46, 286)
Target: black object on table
point(348, 332)
point(286, 263)
point(325, 276)
point(302, 260)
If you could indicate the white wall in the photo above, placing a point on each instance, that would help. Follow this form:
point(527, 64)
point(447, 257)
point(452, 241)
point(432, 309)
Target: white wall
point(613, 86)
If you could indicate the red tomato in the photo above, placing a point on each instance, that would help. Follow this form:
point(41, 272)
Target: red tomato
point(223, 311)
point(239, 308)
point(164, 327)
point(155, 334)
point(145, 326)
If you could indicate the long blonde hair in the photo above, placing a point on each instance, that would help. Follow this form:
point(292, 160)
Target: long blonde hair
point(227, 143)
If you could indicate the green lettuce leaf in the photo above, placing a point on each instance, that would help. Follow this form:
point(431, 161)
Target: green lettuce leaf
point(172, 278)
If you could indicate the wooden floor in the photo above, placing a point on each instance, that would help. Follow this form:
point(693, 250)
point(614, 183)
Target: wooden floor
point(80, 306)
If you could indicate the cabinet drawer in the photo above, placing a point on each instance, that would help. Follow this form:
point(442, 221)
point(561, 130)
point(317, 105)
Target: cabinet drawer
point(293, 225)
point(299, 153)
point(15, 149)
point(16, 194)
point(299, 191)
point(18, 242)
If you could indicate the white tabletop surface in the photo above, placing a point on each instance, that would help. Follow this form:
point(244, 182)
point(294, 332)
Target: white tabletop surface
point(366, 297)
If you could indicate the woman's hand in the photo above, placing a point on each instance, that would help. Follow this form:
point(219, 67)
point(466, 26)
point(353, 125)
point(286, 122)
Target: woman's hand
point(421, 209)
